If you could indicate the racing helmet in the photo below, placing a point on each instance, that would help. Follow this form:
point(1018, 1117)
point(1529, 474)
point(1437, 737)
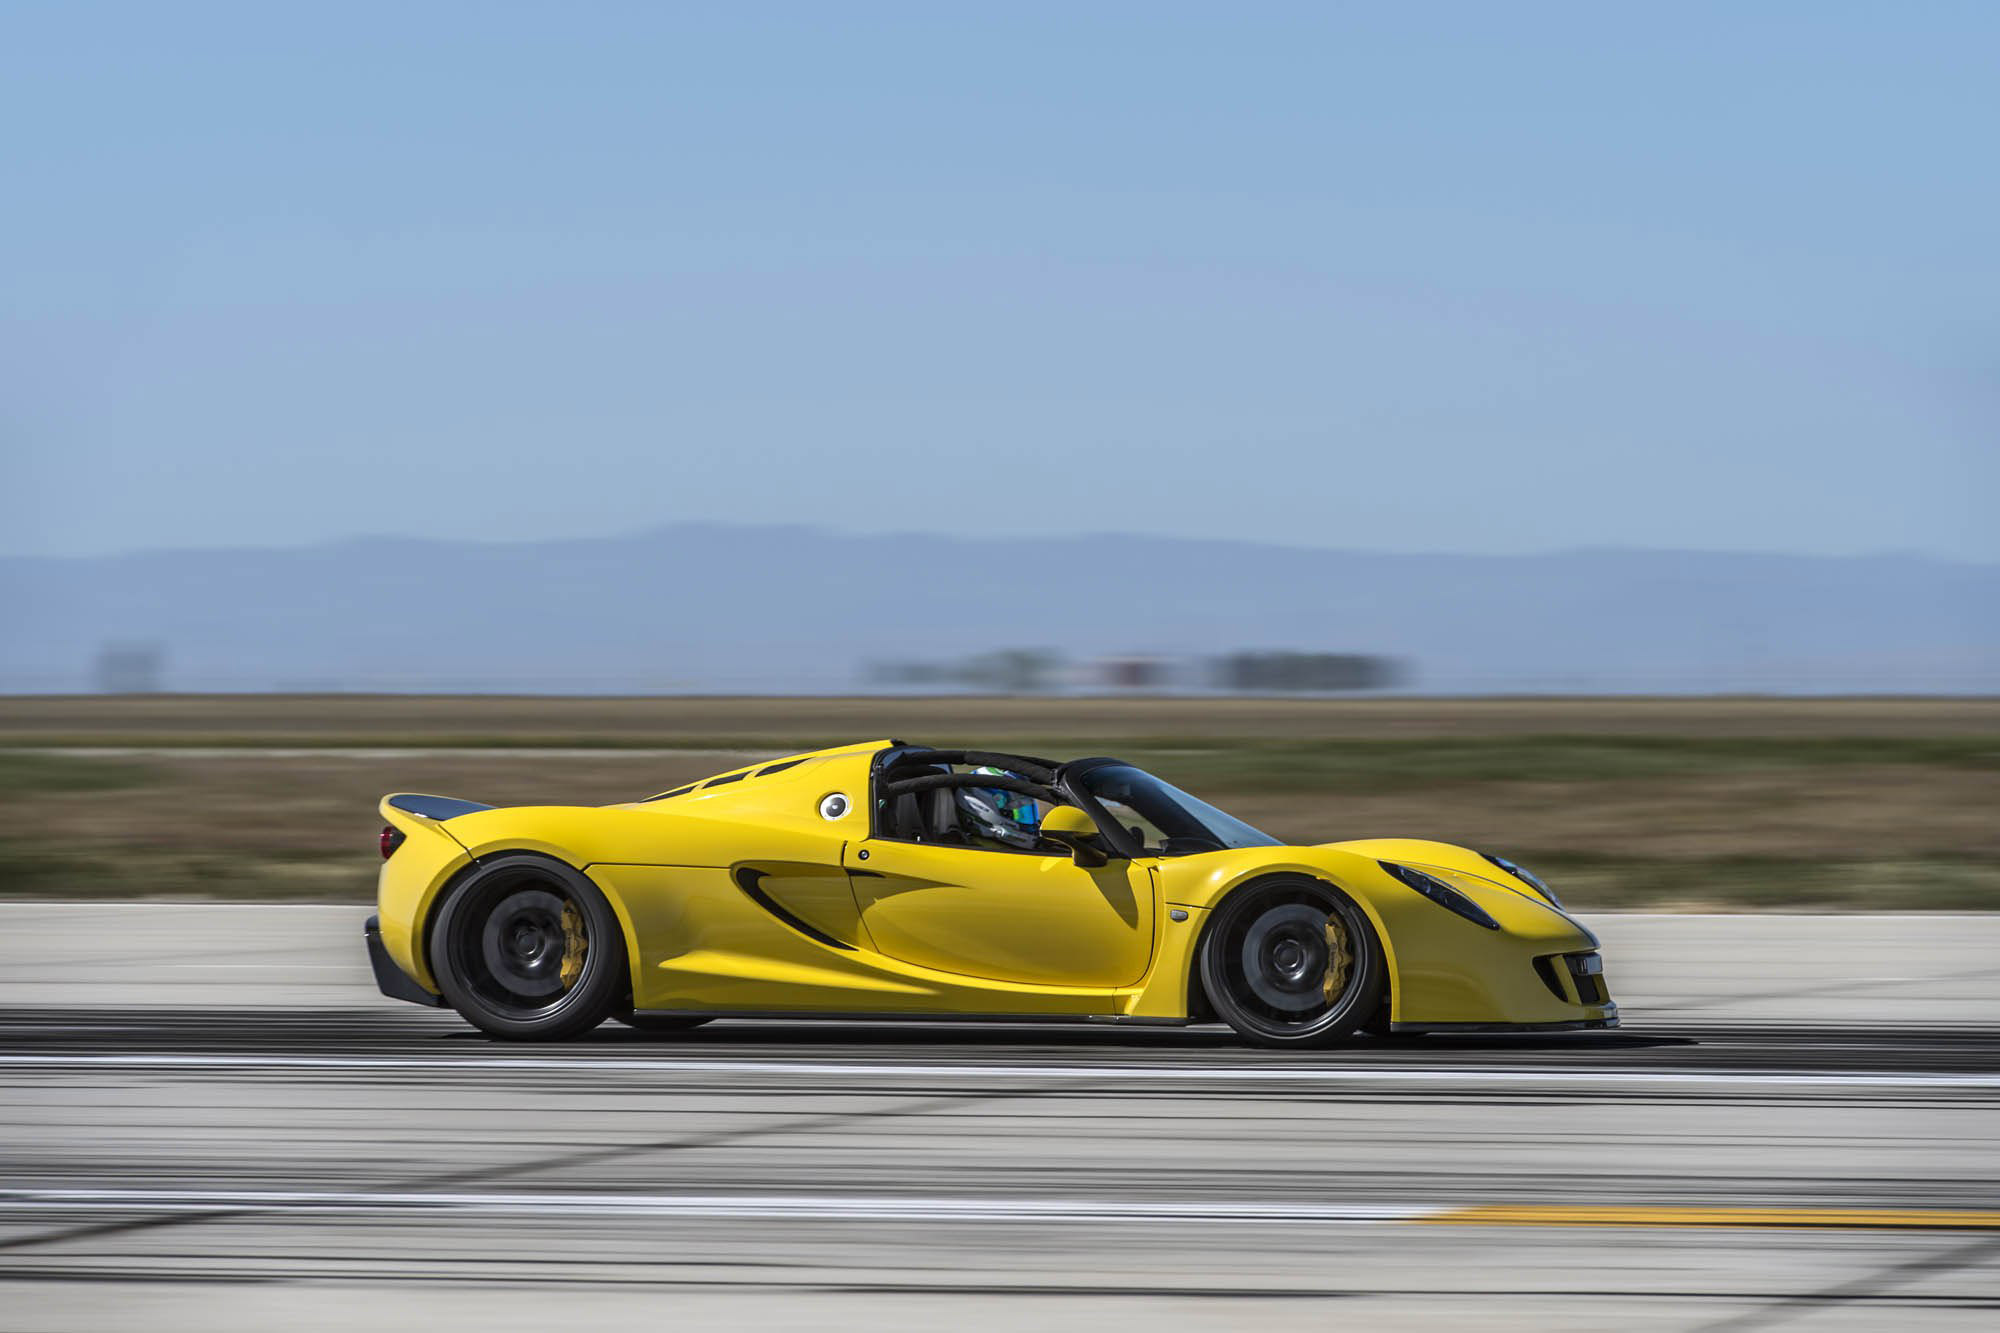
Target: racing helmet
point(1005, 816)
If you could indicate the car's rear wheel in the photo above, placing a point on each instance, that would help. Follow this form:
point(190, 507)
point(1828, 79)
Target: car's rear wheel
point(1292, 962)
point(528, 949)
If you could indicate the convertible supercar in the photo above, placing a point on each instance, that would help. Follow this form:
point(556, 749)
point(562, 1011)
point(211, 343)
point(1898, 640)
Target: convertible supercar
point(893, 880)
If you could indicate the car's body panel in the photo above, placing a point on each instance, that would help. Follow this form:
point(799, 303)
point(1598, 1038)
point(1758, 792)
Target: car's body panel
point(1011, 917)
point(751, 893)
point(706, 946)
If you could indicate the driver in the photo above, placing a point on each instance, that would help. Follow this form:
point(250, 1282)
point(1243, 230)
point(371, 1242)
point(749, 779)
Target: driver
point(998, 815)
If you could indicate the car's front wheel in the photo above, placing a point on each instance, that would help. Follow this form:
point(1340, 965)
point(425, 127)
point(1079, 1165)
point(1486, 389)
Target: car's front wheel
point(1292, 962)
point(528, 949)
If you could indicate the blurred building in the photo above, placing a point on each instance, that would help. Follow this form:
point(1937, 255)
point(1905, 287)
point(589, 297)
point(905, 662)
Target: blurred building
point(129, 668)
point(1305, 673)
point(1017, 671)
point(1135, 675)
point(1004, 671)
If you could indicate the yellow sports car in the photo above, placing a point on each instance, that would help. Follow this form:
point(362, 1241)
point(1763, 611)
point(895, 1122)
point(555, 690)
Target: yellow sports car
point(893, 880)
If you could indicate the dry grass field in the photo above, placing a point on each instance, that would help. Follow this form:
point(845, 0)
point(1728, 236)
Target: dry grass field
point(1692, 804)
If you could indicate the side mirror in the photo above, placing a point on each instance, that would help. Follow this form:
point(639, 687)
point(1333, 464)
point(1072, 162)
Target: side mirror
point(1077, 831)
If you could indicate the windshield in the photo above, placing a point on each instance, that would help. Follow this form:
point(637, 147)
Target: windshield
point(1163, 818)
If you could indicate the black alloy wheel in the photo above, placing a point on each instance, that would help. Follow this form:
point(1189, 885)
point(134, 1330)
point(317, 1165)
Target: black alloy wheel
point(1292, 962)
point(528, 949)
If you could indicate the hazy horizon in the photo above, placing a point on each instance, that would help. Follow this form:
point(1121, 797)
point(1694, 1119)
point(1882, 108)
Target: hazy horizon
point(833, 530)
point(791, 609)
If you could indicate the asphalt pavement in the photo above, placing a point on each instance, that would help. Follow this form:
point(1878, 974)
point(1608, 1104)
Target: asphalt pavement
point(211, 1121)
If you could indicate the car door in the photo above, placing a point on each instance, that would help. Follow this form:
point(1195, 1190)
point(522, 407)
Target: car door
point(1005, 916)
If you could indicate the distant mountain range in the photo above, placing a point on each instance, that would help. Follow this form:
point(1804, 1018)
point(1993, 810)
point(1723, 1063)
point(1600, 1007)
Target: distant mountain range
point(717, 609)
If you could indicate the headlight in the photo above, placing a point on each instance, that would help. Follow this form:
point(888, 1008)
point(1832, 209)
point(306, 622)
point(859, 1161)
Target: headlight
point(1441, 893)
point(1526, 877)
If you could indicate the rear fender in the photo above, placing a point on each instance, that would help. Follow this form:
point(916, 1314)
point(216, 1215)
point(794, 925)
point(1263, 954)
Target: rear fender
point(443, 838)
point(427, 859)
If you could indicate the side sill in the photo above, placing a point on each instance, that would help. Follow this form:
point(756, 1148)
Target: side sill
point(1574, 1025)
point(857, 1016)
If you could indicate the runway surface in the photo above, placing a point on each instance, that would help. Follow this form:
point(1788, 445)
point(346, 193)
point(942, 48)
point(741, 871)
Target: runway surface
point(211, 1121)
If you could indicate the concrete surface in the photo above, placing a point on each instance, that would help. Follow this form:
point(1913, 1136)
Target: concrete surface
point(253, 1139)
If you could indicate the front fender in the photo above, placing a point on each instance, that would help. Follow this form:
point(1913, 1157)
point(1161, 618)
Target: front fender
point(1443, 968)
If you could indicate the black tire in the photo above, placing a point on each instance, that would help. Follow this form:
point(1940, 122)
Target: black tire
point(659, 1022)
point(1266, 960)
point(503, 950)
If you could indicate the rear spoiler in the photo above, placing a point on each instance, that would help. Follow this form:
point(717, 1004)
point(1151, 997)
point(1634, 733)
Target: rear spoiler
point(434, 807)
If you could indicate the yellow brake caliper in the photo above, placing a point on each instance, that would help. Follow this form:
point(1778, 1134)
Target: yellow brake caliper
point(575, 945)
point(1338, 959)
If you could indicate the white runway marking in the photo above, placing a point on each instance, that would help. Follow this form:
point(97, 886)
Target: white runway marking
point(356, 968)
point(1524, 1077)
point(829, 1207)
point(222, 1204)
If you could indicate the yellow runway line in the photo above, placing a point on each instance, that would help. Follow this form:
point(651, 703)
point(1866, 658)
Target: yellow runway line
point(1857, 1219)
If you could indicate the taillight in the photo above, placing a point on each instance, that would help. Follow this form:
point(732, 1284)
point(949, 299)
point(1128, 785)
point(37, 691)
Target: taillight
point(392, 838)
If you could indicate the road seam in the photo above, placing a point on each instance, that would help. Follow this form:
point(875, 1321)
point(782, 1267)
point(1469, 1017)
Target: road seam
point(1539, 1078)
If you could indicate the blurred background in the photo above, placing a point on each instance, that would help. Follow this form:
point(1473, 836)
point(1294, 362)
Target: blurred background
point(1253, 391)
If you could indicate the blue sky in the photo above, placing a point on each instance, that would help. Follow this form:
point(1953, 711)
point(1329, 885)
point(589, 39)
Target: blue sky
point(1444, 277)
